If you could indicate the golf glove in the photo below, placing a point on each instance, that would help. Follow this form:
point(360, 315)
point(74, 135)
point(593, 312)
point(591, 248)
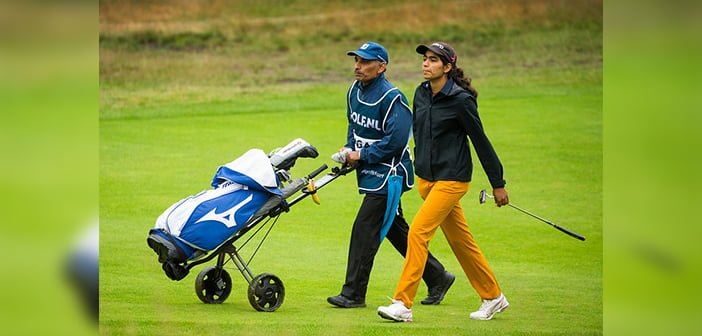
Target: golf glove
point(340, 156)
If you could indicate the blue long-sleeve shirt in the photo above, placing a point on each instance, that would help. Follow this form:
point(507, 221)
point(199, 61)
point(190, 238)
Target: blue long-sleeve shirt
point(379, 125)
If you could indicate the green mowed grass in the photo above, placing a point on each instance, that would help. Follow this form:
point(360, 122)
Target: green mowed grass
point(548, 135)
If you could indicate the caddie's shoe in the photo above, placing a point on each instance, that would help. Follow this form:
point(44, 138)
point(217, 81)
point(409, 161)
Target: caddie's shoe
point(436, 293)
point(489, 308)
point(396, 312)
point(344, 302)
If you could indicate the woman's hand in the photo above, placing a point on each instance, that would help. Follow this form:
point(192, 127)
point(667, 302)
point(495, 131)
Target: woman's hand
point(501, 197)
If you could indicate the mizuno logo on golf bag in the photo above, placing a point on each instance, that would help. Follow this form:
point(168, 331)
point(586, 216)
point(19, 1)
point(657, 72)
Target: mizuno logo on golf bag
point(227, 217)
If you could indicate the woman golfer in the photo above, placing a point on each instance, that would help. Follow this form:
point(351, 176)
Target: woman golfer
point(444, 113)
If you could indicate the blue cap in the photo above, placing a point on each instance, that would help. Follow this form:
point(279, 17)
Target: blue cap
point(371, 51)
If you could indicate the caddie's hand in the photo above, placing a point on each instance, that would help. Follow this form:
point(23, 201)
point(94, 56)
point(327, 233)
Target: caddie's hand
point(501, 197)
point(352, 157)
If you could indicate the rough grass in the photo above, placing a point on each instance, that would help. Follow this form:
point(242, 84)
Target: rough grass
point(305, 43)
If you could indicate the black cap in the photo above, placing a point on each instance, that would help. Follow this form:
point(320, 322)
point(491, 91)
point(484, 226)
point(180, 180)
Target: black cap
point(444, 50)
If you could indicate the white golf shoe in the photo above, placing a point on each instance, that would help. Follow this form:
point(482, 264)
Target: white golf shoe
point(489, 308)
point(396, 312)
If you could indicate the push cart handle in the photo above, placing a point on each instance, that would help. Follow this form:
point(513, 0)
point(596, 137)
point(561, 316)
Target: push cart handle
point(317, 171)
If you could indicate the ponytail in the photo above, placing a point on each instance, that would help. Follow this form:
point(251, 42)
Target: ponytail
point(462, 80)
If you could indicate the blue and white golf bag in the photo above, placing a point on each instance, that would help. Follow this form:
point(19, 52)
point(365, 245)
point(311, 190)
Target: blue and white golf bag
point(244, 191)
point(202, 222)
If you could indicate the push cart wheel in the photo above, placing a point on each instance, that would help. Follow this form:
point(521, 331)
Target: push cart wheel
point(266, 292)
point(213, 285)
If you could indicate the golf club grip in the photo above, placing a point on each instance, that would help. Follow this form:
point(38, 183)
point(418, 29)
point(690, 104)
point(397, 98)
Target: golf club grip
point(317, 171)
point(572, 234)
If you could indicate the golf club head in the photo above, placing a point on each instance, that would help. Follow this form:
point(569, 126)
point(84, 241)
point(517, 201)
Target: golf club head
point(285, 157)
point(483, 196)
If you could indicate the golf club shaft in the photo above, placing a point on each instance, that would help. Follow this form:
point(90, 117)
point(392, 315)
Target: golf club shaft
point(530, 214)
point(572, 234)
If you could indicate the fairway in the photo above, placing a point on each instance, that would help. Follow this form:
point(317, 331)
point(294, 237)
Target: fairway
point(164, 134)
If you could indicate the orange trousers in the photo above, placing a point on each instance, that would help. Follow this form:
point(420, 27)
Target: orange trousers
point(442, 207)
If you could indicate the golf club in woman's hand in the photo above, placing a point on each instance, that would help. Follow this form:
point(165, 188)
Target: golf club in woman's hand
point(484, 196)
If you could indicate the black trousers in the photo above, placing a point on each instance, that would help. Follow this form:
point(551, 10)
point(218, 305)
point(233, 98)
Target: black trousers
point(364, 245)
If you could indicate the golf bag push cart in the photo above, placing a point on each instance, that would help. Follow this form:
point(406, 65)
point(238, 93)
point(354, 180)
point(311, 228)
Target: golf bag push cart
point(249, 192)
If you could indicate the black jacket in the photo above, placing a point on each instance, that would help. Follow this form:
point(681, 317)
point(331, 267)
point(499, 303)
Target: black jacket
point(440, 125)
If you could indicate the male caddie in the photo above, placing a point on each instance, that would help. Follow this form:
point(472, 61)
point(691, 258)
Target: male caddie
point(379, 126)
